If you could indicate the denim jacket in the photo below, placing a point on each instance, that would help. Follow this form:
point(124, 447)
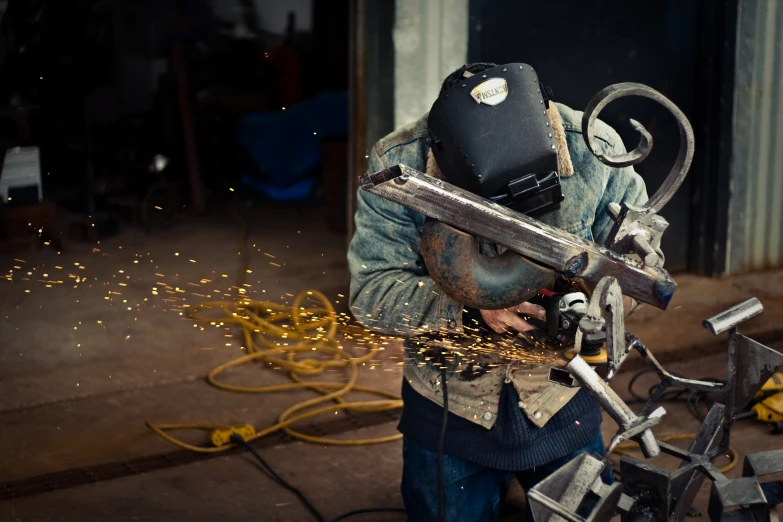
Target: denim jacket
point(391, 292)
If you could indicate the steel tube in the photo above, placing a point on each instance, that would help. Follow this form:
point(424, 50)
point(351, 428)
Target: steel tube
point(735, 315)
point(610, 402)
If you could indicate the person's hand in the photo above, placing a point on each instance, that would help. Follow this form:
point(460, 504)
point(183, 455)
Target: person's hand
point(507, 319)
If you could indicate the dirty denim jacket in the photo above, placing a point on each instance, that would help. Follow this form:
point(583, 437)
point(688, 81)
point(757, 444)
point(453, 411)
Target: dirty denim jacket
point(391, 292)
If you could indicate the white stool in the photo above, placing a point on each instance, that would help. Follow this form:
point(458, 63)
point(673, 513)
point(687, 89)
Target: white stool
point(21, 168)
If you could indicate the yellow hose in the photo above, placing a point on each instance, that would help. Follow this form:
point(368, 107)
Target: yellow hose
point(309, 347)
point(731, 453)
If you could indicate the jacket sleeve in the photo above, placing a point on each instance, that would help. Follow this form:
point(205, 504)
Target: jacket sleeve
point(390, 291)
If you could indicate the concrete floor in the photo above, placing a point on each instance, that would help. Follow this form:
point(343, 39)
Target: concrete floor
point(80, 373)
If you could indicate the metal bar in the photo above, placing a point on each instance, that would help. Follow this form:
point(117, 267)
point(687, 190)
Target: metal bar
point(611, 403)
point(632, 432)
point(687, 480)
point(555, 507)
point(717, 324)
point(645, 251)
point(668, 380)
point(693, 384)
point(674, 451)
point(684, 157)
point(545, 244)
point(763, 463)
point(610, 301)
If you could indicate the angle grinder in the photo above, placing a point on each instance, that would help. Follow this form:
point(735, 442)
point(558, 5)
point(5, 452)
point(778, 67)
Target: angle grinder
point(565, 307)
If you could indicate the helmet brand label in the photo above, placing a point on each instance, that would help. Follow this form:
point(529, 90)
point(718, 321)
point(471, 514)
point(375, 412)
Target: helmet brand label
point(491, 92)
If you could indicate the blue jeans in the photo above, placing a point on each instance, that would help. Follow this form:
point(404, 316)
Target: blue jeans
point(473, 492)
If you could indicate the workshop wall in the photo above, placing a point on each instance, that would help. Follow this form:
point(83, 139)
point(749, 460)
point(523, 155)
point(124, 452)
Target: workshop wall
point(756, 216)
point(430, 41)
point(380, 69)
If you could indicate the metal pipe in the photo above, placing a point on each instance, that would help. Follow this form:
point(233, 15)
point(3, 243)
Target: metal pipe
point(727, 319)
point(610, 402)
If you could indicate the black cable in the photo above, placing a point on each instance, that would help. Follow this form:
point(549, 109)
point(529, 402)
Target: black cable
point(238, 439)
point(635, 396)
point(441, 443)
point(693, 401)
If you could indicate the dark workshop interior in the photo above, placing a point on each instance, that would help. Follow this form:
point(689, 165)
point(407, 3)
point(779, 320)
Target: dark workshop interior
point(177, 197)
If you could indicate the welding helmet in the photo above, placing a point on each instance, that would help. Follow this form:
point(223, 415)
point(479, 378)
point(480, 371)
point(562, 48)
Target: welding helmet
point(490, 135)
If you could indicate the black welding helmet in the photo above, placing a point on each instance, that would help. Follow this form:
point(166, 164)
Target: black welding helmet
point(490, 134)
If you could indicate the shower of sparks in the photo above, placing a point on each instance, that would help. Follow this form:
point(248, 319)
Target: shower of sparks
point(131, 292)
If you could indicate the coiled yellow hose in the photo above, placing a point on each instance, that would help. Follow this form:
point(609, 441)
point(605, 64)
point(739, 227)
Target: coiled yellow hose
point(313, 347)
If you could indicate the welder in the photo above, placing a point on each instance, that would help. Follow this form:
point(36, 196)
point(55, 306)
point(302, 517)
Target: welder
point(495, 130)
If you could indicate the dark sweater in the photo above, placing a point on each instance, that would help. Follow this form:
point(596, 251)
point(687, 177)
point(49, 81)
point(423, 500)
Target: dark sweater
point(513, 443)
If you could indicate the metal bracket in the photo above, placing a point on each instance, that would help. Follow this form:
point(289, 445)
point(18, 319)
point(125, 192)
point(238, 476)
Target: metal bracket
point(638, 231)
point(559, 496)
point(605, 314)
